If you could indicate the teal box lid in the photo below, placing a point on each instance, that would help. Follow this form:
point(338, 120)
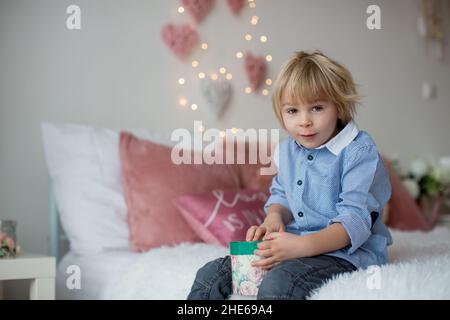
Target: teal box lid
point(243, 247)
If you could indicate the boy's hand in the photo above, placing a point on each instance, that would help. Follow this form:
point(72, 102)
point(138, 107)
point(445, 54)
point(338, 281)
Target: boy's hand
point(272, 223)
point(280, 246)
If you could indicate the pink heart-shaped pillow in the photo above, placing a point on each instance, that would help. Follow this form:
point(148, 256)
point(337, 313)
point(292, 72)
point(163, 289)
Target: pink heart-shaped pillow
point(221, 216)
point(180, 39)
point(256, 68)
point(236, 5)
point(198, 9)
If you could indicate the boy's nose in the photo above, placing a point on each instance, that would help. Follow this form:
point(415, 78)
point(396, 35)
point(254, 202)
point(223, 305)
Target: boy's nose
point(304, 121)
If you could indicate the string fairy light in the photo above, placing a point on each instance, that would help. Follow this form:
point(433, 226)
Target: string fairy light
point(254, 20)
point(183, 101)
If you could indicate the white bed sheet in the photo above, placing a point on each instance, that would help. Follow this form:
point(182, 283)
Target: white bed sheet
point(98, 273)
point(419, 269)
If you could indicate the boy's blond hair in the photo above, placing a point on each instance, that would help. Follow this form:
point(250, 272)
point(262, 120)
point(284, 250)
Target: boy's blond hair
point(311, 77)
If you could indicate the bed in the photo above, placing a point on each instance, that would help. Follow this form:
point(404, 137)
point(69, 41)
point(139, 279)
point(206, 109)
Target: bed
point(419, 268)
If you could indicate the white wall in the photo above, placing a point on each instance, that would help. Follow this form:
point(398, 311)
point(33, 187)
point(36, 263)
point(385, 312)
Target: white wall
point(117, 73)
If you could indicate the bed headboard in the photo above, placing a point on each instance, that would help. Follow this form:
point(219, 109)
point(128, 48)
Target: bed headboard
point(58, 243)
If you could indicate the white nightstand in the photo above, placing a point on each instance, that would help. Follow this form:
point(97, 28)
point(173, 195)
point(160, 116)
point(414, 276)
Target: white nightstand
point(40, 269)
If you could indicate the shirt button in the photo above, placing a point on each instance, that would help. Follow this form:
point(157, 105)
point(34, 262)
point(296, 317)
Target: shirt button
point(310, 157)
point(300, 214)
point(299, 182)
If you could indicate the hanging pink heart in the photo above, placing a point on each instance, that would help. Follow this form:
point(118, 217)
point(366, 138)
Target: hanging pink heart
point(180, 39)
point(256, 68)
point(198, 9)
point(236, 5)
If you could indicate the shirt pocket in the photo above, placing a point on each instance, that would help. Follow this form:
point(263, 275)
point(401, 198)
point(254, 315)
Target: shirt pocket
point(322, 194)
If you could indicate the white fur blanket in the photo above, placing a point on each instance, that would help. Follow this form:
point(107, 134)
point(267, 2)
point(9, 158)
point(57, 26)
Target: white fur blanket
point(419, 269)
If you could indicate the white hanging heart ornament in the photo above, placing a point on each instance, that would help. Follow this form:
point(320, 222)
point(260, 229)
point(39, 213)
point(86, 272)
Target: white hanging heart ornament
point(217, 94)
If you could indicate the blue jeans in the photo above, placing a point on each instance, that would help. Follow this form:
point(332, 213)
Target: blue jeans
point(292, 279)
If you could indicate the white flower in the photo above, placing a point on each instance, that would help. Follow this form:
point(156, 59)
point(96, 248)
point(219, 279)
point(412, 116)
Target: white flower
point(441, 174)
point(400, 171)
point(419, 168)
point(445, 162)
point(412, 186)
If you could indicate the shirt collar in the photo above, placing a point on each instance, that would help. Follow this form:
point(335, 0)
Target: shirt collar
point(341, 140)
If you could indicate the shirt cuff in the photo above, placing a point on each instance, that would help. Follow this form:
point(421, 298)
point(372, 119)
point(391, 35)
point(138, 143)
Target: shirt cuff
point(274, 198)
point(356, 227)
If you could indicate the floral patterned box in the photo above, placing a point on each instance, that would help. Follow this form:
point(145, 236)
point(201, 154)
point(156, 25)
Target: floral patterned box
point(245, 278)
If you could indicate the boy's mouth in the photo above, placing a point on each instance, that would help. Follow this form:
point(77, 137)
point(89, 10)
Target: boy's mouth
point(307, 136)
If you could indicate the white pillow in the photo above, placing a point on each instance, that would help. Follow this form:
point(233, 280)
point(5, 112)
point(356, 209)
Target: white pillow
point(84, 166)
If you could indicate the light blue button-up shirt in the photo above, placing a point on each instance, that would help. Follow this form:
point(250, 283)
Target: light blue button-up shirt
point(341, 181)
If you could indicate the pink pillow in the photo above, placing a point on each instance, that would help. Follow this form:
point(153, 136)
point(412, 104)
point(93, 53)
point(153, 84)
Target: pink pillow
point(401, 211)
point(222, 216)
point(151, 181)
point(250, 176)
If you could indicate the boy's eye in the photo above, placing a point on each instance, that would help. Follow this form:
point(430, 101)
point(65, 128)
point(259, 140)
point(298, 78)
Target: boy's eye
point(317, 108)
point(291, 110)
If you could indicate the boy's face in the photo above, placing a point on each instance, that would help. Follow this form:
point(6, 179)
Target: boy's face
point(311, 125)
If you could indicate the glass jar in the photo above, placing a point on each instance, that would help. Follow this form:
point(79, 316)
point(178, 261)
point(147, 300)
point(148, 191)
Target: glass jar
point(8, 227)
point(8, 246)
